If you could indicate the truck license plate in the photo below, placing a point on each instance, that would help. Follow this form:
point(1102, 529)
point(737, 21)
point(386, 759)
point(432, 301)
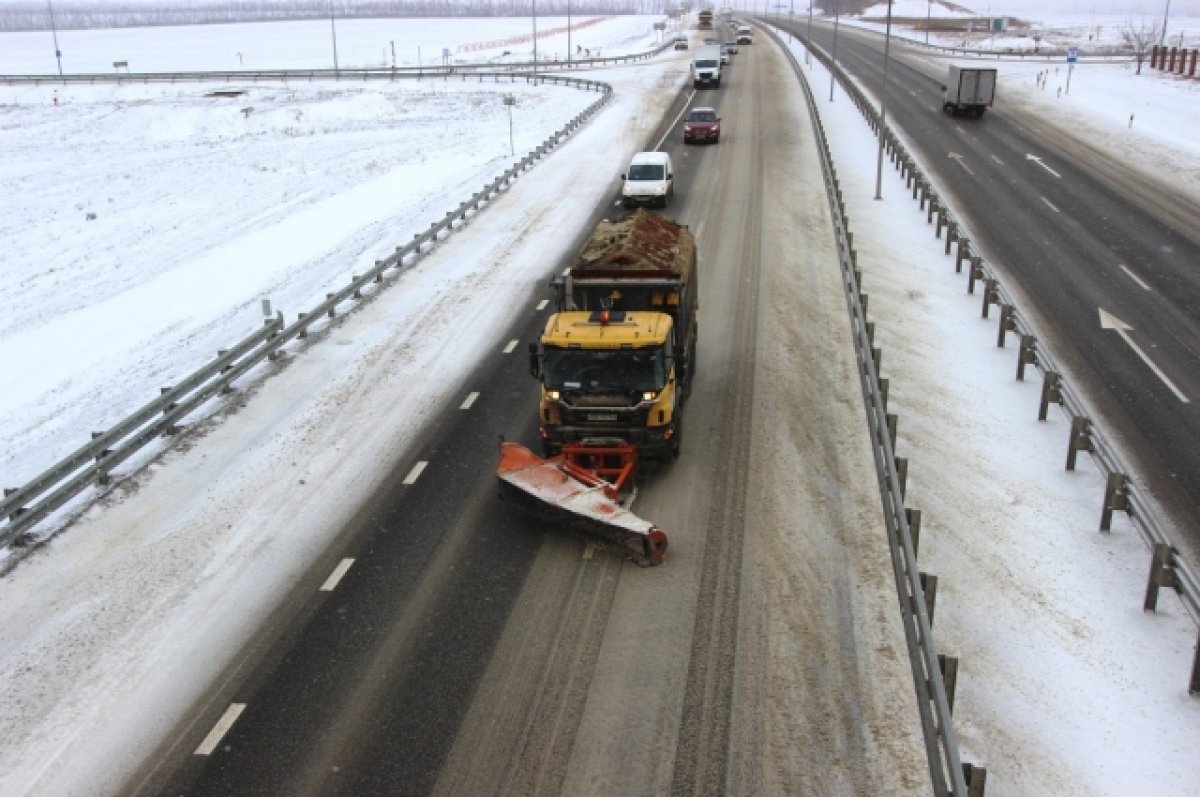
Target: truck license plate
point(602, 416)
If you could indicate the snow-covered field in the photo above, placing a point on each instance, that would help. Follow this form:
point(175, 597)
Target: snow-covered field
point(201, 209)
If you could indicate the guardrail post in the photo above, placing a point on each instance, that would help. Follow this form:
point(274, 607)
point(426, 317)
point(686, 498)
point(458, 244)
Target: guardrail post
point(976, 273)
point(1051, 392)
point(1026, 355)
point(902, 475)
point(991, 294)
point(1116, 498)
point(892, 421)
point(929, 589)
point(949, 667)
point(883, 392)
point(877, 358)
point(951, 235)
point(964, 252)
point(976, 778)
point(1008, 323)
point(914, 528)
point(1081, 439)
point(1194, 683)
point(329, 296)
point(1161, 575)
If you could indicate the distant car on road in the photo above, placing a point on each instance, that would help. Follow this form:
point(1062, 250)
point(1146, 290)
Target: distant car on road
point(681, 43)
point(702, 124)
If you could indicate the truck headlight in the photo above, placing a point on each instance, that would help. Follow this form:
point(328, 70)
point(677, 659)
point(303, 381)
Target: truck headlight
point(553, 395)
point(650, 395)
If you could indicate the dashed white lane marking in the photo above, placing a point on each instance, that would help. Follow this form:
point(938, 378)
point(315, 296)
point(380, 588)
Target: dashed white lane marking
point(512, 344)
point(416, 472)
point(1050, 205)
point(336, 576)
point(469, 400)
point(542, 304)
point(220, 729)
point(1135, 278)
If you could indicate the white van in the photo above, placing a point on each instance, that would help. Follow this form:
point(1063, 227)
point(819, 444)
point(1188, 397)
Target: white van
point(648, 181)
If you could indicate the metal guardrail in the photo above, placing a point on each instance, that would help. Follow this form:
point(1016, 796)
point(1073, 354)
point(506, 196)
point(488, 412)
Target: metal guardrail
point(93, 463)
point(546, 69)
point(1167, 568)
point(948, 774)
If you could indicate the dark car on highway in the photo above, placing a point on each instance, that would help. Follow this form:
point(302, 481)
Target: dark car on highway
point(702, 124)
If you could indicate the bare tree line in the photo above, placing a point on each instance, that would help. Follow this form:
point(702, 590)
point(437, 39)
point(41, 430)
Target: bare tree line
point(83, 15)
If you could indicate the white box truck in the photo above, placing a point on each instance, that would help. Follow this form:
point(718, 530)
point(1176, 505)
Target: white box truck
point(969, 90)
point(706, 66)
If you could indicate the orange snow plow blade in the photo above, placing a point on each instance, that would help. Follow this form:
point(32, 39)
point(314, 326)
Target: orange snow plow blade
point(572, 489)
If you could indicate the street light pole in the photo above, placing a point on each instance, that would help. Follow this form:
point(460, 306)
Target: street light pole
point(333, 31)
point(928, 19)
point(54, 35)
point(887, 41)
point(1162, 40)
point(833, 58)
point(509, 102)
point(808, 44)
point(791, 17)
point(534, 33)
point(568, 30)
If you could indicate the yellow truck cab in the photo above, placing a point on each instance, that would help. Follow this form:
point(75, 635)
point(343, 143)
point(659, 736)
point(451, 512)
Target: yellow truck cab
point(610, 374)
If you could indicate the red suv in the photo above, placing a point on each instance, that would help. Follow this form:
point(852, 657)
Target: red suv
point(702, 124)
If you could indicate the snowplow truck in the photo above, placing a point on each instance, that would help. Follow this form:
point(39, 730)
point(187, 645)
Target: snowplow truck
point(615, 361)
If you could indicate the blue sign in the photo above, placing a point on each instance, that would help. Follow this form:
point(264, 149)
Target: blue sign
point(1072, 55)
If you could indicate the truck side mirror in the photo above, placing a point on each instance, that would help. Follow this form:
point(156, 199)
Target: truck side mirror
point(535, 362)
point(681, 363)
point(623, 177)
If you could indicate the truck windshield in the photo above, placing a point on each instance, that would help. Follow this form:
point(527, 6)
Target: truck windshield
point(647, 171)
point(706, 64)
point(604, 371)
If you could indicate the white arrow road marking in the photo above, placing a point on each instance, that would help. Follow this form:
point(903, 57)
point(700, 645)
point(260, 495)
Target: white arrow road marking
point(1110, 321)
point(1038, 161)
point(954, 156)
point(1135, 278)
